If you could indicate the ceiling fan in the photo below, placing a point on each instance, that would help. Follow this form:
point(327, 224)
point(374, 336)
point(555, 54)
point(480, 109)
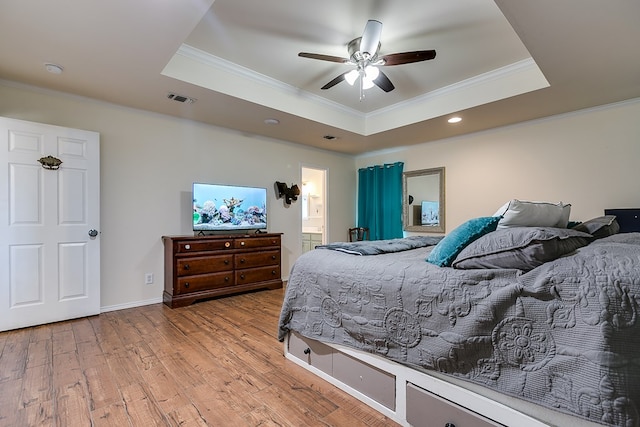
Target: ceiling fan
point(363, 53)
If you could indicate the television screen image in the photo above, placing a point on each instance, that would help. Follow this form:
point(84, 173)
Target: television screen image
point(230, 208)
point(429, 213)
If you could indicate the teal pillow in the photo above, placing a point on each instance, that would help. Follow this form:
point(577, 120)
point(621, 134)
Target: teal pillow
point(448, 248)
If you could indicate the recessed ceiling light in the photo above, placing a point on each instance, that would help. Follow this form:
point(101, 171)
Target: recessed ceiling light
point(454, 119)
point(53, 68)
point(272, 121)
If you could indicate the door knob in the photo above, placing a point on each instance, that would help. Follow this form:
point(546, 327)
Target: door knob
point(93, 233)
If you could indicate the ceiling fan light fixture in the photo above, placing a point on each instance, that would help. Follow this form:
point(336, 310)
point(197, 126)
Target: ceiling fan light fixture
point(367, 83)
point(371, 72)
point(351, 76)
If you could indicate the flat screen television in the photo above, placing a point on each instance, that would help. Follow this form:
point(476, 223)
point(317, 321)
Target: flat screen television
point(228, 208)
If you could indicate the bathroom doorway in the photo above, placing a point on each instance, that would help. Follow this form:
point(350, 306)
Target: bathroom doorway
point(314, 207)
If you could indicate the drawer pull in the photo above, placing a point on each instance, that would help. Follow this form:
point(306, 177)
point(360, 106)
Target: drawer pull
point(273, 257)
point(226, 279)
point(187, 247)
point(186, 285)
point(242, 243)
point(308, 351)
point(242, 276)
point(273, 272)
point(227, 244)
point(186, 266)
point(241, 260)
point(226, 262)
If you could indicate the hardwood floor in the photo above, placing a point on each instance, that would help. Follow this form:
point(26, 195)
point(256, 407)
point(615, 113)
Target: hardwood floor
point(214, 363)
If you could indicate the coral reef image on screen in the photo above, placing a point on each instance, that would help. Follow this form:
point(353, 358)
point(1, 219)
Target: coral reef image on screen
point(225, 207)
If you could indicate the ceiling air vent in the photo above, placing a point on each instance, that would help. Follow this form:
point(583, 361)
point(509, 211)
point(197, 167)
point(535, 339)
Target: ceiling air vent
point(181, 98)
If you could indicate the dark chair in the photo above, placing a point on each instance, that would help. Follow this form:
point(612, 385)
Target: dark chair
point(358, 233)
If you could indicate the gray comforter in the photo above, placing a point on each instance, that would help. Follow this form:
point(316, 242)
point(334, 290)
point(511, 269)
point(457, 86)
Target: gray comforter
point(565, 335)
point(377, 247)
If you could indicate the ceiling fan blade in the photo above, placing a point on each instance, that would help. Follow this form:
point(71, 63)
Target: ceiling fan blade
point(335, 81)
point(323, 57)
point(383, 82)
point(371, 37)
point(408, 57)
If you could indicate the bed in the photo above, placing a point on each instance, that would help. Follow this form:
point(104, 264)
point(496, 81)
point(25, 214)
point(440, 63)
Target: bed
point(524, 325)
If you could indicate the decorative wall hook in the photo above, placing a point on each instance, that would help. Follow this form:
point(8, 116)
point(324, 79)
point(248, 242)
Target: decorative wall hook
point(50, 162)
point(289, 193)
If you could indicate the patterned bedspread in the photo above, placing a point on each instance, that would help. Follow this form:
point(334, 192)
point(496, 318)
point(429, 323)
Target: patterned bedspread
point(377, 247)
point(565, 335)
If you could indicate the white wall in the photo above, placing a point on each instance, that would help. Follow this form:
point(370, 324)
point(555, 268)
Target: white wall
point(148, 164)
point(589, 158)
point(148, 161)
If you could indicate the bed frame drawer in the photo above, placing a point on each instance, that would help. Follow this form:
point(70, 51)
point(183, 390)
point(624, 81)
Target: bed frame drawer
point(368, 380)
point(425, 409)
point(312, 352)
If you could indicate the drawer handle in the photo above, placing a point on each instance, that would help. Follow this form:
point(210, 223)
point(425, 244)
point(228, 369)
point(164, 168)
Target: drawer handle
point(187, 247)
point(226, 279)
point(308, 351)
point(241, 260)
point(273, 272)
point(242, 276)
point(242, 243)
point(186, 266)
point(226, 262)
point(227, 244)
point(273, 257)
point(186, 285)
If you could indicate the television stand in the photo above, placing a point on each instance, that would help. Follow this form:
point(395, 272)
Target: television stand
point(200, 267)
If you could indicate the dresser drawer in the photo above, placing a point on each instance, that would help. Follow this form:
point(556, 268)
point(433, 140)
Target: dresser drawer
point(261, 274)
point(201, 282)
point(205, 264)
point(257, 259)
point(425, 409)
point(257, 242)
point(203, 246)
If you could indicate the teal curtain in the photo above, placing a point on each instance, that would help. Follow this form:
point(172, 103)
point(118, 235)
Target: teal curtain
point(380, 200)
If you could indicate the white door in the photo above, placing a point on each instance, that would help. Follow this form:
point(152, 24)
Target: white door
point(49, 243)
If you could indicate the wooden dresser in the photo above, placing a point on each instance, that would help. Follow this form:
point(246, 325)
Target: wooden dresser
point(207, 266)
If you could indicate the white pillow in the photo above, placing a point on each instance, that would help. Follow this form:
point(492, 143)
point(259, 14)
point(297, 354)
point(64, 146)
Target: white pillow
point(516, 213)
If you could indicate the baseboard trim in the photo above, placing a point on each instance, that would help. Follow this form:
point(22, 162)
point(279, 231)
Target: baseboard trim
point(130, 305)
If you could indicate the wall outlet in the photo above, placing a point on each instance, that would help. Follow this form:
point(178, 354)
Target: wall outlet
point(148, 278)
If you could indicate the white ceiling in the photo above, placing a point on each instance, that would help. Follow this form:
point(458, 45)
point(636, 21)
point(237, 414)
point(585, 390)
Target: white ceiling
point(497, 62)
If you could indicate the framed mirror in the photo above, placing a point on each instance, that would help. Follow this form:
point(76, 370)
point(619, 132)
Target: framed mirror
point(423, 200)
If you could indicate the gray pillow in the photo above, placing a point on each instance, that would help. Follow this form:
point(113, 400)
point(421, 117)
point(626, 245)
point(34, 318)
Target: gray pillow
point(522, 248)
point(600, 227)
